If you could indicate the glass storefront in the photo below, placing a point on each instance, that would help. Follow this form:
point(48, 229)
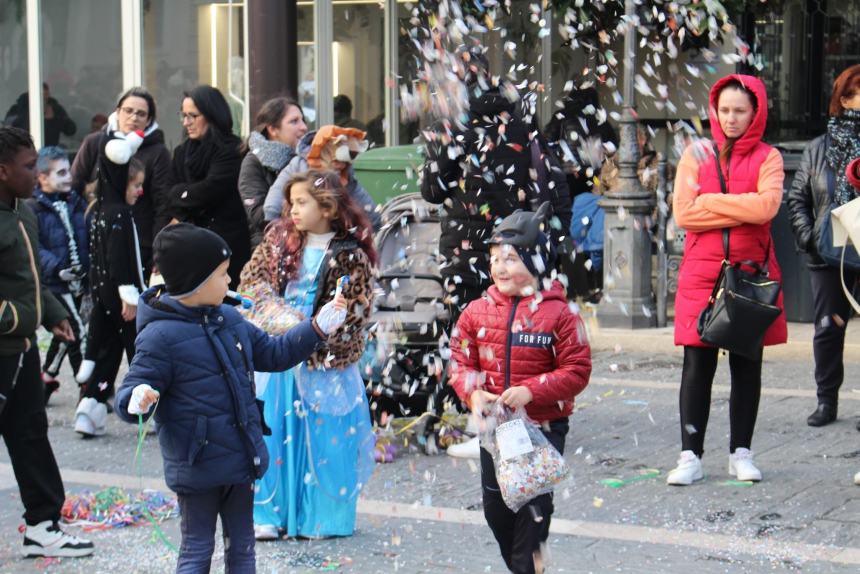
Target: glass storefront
point(13, 63)
point(82, 69)
point(190, 43)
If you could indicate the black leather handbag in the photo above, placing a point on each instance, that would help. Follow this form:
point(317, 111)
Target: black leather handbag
point(742, 304)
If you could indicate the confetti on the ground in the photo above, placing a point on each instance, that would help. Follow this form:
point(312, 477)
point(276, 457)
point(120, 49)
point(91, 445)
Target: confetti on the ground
point(115, 508)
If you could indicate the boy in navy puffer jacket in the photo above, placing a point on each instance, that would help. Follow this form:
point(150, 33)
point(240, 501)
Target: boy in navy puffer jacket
point(196, 358)
point(522, 345)
point(64, 253)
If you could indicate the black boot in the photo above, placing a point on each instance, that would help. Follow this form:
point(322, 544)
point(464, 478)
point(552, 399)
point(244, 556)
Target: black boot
point(823, 415)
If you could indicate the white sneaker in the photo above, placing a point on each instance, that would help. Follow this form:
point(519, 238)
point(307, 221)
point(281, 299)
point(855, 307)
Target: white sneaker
point(90, 417)
point(266, 532)
point(688, 471)
point(741, 465)
point(85, 371)
point(46, 539)
point(469, 449)
point(857, 479)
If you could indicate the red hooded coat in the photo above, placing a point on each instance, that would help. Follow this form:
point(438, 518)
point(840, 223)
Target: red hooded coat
point(754, 181)
point(539, 345)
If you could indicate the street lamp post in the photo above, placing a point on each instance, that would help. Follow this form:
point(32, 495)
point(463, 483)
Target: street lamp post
point(628, 300)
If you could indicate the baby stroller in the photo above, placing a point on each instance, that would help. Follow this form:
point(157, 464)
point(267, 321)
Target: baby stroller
point(407, 354)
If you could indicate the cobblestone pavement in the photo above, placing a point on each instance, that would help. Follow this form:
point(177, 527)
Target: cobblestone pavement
point(422, 514)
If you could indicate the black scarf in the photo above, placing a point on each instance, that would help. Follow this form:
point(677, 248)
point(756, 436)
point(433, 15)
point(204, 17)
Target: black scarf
point(844, 146)
point(199, 153)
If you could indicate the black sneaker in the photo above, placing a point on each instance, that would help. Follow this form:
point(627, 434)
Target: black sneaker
point(47, 539)
point(51, 386)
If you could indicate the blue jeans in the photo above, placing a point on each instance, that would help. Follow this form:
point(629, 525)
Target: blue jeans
point(200, 511)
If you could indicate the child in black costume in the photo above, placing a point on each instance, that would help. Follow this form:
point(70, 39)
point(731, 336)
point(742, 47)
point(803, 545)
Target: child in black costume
point(116, 279)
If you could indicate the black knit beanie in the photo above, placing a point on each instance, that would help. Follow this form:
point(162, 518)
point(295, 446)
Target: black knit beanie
point(186, 256)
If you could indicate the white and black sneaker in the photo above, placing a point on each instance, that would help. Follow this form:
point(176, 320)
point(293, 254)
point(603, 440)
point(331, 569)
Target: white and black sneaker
point(47, 539)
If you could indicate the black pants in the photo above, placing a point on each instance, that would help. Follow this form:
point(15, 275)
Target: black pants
point(832, 311)
point(697, 376)
point(521, 533)
point(235, 504)
point(109, 336)
point(59, 348)
point(24, 426)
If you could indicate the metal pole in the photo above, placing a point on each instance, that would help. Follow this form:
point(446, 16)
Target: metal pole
point(628, 298)
point(323, 38)
point(132, 43)
point(34, 72)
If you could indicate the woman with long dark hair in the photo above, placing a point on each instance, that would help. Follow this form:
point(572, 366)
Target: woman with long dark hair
point(753, 174)
point(135, 110)
point(205, 174)
point(280, 125)
point(819, 182)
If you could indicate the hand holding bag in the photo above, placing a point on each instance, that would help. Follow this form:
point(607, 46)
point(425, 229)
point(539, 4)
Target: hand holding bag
point(845, 221)
point(742, 305)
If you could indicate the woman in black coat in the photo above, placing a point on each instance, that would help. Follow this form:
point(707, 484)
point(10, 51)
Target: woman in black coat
point(205, 174)
point(821, 179)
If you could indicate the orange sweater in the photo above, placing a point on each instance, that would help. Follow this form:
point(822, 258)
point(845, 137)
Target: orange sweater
point(695, 212)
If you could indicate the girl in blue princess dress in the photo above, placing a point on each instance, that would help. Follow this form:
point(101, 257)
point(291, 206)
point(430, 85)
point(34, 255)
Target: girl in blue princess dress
point(321, 446)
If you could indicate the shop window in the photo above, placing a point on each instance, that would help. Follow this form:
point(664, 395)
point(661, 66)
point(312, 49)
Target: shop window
point(187, 44)
point(13, 63)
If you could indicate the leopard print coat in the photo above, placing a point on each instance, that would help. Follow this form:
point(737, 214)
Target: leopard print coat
point(346, 345)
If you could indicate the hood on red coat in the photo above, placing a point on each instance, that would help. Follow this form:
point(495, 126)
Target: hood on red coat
point(556, 291)
point(755, 132)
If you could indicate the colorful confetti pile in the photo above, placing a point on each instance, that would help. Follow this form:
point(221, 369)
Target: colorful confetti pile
point(115, 508)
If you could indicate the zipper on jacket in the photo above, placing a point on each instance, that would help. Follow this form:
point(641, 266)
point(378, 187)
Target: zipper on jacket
point(509, 344)
point(36, 277)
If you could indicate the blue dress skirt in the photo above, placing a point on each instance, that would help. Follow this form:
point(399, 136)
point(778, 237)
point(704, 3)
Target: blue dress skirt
point(322, 443)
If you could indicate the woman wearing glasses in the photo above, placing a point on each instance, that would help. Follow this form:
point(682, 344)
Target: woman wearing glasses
point(135, 110)
point(205, 174)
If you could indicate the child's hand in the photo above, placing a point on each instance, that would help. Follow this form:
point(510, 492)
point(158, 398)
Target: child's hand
point(480, 401)
point(516, 397)
point(333, 314)
point(129, 312)
point(142, 397)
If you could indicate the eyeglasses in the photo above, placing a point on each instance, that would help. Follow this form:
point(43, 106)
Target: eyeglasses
point(189, 117)
point(139, 114)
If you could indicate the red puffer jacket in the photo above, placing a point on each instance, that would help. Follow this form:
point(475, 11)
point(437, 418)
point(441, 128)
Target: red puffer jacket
point(535, 342)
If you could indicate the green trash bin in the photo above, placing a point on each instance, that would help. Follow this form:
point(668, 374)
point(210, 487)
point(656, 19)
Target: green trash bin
point(387, 172)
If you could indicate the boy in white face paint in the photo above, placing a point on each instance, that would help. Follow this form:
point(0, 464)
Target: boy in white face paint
point(64, 254)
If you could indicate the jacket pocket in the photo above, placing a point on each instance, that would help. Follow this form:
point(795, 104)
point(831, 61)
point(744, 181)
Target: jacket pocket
point(198, 439)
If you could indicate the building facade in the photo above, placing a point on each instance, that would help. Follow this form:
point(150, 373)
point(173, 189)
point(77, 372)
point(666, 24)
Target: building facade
point(87, 51)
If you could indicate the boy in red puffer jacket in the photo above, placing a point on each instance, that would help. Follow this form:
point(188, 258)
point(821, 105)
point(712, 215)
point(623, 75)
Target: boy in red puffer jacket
point(522, 345)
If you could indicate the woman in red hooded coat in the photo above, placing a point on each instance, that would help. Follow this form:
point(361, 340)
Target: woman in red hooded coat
point(754, 176)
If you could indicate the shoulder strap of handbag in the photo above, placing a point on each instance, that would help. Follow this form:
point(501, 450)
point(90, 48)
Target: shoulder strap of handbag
point(848, 294)
point(724, 189)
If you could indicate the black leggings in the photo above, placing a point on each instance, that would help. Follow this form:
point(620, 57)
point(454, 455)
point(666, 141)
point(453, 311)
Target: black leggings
point(700, 365)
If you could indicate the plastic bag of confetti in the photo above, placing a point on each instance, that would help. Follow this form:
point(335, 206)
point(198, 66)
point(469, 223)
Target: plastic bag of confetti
point(526, 464)
point(268, 310)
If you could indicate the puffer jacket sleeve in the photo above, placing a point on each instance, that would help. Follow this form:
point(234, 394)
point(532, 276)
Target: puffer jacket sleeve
point(464, 373)
point(756, 208)
point(363, 200)
point(253, 187)
point(274, 201)
point(801, 208)
point(151, 365)
point(276, 354)
point(53, 313)
point(688, 212)
point(573, 365)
